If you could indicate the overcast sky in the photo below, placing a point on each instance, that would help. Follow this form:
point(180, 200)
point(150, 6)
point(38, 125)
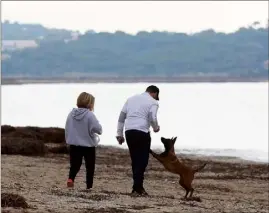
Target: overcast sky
point(133, 16)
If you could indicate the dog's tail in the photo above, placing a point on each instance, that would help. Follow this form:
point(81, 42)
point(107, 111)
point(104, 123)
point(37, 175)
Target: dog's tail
point(199, 168)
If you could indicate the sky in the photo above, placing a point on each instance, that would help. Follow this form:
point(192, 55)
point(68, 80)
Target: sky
point(134, 16)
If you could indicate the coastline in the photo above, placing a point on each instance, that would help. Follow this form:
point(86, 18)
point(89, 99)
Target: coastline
point(114, 79)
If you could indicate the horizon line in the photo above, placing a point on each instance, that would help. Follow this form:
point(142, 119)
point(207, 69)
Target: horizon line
point(255, 25)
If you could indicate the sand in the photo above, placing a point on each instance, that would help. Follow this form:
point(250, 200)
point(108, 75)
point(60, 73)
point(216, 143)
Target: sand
point(225, 185)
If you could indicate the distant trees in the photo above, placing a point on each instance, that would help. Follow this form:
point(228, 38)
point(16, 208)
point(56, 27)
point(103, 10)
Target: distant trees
point(16, 31)
point(242, 53)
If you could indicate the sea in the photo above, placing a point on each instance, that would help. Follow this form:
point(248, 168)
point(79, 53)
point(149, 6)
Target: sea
point(211, 119)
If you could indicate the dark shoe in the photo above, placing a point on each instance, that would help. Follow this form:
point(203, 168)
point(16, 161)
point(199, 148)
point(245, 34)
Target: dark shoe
point(144, 193)
point(139, 193)
point(135, 193)
point(88, 190)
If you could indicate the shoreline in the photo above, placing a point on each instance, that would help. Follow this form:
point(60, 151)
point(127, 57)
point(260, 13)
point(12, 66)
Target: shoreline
point(195, 153)
point(112, 79)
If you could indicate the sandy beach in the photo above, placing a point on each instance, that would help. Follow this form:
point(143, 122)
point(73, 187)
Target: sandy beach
point(225, 185)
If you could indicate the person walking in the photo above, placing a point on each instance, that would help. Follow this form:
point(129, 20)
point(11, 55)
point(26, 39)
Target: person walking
point(137, 115)
point(81, 133)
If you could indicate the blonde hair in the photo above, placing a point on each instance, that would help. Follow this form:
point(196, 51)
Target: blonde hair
point(85, 100)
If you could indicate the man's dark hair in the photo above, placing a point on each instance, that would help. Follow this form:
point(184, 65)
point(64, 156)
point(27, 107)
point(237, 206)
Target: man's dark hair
point(153, 89)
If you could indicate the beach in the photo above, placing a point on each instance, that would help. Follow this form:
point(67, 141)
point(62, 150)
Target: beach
point(224, 185)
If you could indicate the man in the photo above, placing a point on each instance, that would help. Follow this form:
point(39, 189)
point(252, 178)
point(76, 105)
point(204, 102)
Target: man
point(137, 115)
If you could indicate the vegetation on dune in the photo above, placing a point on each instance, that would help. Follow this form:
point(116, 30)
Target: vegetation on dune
point(243, 53)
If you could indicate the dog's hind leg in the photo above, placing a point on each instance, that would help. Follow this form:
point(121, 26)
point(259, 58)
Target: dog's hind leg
point(181, 182)
point(192, 190)
point(187, 192)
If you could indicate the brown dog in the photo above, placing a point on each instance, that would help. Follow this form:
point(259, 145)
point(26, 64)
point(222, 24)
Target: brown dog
point(170, 161)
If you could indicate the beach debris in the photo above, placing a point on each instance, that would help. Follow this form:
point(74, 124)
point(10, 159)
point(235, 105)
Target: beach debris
point(13, 200)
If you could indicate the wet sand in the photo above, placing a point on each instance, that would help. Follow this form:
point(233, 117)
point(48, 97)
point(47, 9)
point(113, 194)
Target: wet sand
point(225, 185)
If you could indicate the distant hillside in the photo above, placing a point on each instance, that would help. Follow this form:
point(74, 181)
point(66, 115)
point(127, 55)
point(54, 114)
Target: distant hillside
point(17, 31)
point(243, 53)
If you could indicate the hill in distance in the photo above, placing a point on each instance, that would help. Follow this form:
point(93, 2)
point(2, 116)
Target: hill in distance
point(243, 53)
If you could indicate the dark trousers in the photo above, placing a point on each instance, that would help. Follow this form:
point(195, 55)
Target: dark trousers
point(77, 153)
point(139, 146)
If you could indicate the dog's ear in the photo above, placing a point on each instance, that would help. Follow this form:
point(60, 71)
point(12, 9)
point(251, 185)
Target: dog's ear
point(174, 139)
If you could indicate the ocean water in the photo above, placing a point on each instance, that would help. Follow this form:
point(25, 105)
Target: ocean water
point(221, 119)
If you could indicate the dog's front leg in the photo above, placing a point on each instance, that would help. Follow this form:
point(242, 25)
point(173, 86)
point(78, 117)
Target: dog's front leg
point(157, 156)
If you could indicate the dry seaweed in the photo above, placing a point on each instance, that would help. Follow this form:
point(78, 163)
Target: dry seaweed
point(13, 200)
point(61, 149)
point(47, 135)
point(22, 146)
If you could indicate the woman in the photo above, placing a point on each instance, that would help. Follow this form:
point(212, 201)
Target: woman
point(81, 131)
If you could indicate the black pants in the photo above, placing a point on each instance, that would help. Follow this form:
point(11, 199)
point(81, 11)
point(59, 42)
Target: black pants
point(139, 145)
point(76, 155)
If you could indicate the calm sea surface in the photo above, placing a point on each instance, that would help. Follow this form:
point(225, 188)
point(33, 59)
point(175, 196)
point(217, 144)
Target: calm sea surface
point(224, 119)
